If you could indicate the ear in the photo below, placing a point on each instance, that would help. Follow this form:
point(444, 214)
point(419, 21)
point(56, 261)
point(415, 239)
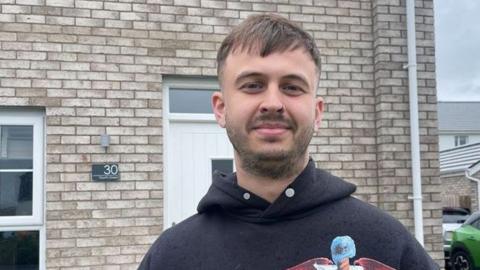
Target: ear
point(218, 106)
point(319, 106)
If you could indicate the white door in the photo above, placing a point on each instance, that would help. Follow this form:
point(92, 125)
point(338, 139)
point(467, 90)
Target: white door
point(195, 150)
point(194, 145)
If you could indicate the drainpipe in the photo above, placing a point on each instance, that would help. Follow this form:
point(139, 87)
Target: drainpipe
point(467, 174)
point(414, 134)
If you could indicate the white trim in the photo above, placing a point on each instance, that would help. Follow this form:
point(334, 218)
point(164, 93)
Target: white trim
point(36, 222)
point(35, 120)
point(17, 170)
point(19, 228)
point(43, 231)
point(475, 169)
point(190, 84)
point(191, 117)
point(205, 83)
point(41, 240)
point(459, 132)
point(166, 129)
point(42, 248)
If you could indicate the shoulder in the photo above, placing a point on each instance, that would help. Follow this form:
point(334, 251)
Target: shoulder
point(173, 244)
point(186, 231)
point(377, 221)
point(390, 235)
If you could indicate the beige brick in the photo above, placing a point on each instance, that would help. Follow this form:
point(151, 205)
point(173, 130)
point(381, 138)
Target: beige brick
point(7, 18)
point(68, 196)
point(106, 14)
point(15, 82)
point(60, 20)
point(61, 243)
point(49, 47)
point(30, 18)
point(117, 24)
point(16, 9)
point(7, 55)
point(16, 46)
point(14, 64)
point(32, 55)
point(110, 195)
point(75, 66)
point(118, 6)
point(120, 222)
point(91, 242)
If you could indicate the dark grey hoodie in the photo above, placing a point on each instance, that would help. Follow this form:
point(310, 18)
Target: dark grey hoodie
point(235, 229)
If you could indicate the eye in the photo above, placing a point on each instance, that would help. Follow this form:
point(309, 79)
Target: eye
point(292, 89)
point(252, 87)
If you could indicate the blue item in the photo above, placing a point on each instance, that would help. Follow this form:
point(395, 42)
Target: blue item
point(342, 247)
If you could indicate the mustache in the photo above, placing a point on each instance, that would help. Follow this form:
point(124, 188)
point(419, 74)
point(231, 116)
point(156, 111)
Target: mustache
point(272, 118)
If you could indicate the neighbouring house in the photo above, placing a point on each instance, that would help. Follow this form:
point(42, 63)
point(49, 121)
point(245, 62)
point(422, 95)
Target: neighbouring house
point(460, 175)
point(107, 136)
point(458, 123)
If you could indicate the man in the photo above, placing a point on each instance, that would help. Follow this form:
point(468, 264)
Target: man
point(278, 211)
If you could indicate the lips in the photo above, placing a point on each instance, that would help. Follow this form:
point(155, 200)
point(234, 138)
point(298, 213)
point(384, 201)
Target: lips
point(271, 129)
point(271, 126)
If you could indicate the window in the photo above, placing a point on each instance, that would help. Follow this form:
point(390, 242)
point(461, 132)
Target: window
point(19, 250)
point(184, 100)
point(461, 140)
point(476, 224)
point(21, 190)
point(222, 165)
point(188, 99)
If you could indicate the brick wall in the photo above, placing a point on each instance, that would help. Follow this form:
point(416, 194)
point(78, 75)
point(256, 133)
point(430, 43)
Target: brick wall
point(392, 116)
point(96, 67)
point(456, 185)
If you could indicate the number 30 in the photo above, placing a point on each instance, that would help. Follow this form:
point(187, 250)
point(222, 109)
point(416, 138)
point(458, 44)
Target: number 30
point(111, 169)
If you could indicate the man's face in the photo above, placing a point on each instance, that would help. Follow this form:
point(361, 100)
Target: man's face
point(268, 105)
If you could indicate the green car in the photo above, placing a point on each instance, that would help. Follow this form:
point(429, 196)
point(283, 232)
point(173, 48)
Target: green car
point(465, 249)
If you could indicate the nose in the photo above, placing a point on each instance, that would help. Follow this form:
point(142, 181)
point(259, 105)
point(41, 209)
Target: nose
point(272, 101)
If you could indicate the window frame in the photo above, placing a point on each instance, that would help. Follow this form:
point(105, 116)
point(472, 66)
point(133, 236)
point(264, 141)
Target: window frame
point(35, 120)
point(42, 240)
point(35, 222)
point(200, 84)
point(458, 138)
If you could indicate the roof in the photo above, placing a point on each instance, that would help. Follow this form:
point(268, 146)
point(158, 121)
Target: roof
point(474, 168)
point(461, 116)
point(459, 158)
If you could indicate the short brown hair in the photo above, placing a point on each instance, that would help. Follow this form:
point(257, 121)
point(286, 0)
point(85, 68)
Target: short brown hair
point(266, 34)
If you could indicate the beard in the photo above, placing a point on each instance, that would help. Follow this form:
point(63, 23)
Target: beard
point(274, 163)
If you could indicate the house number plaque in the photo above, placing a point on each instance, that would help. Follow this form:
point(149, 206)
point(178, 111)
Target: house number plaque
point(105, 172)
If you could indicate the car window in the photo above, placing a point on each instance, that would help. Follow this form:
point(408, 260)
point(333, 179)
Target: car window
point(454, 218)
point(473, 218)
point(476, 224)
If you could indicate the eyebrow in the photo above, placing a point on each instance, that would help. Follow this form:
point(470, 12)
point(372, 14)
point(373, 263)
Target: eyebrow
point(293, 76)
point(298, 77)
point(246, 74)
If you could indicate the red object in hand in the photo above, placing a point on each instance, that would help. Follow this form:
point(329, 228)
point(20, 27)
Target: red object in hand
point(369, 264)
point(309, 265)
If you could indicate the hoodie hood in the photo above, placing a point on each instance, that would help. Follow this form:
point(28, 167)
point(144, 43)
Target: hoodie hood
point(311, 189)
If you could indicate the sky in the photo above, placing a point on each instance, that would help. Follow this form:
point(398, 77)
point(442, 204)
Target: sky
point(457, 41)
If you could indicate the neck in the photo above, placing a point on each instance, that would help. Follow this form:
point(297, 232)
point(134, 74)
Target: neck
point(265, 187)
